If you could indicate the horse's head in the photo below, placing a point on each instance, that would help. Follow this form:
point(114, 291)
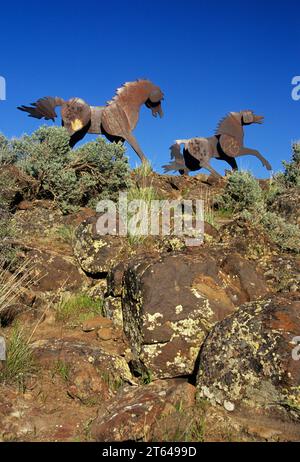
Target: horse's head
point(154, 101)
point(76, 114)
point(248, 117)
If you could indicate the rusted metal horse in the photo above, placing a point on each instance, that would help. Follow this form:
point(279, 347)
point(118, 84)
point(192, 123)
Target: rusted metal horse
point(226, 144)
point(116, 120)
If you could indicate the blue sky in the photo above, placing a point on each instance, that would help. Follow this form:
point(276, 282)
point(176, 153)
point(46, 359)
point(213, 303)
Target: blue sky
point(209, 58)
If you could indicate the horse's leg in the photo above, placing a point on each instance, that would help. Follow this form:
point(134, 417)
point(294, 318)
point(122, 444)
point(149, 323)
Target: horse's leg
point(134, 144)
point(232, 162)
point(211, 170)
point(78, 136)
point(253, 152)
point(184, 171)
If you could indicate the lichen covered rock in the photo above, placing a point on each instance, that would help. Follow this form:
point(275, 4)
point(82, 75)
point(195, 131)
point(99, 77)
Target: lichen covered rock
point(55, 271)
point(171, 303)
point(248, 357)
point(113, 310)
point(95, 253)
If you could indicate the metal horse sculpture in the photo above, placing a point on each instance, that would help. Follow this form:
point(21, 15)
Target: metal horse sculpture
point(226, 144)
point(116, 120)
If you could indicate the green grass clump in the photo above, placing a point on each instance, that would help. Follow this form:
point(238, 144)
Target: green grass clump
point(147, 194)
point(113, 382)
point(141, 190)
point(77, 308)
point(143, 171)
point(19, 362)
point(66, 234)
point(146, 377)
point(62, 369)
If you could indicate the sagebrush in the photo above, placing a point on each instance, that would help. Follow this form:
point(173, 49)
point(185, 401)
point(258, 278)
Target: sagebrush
point(72, 178)
point(244, 197)
point(242, 192)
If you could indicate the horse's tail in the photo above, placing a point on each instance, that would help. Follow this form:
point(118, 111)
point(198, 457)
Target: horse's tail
point(178, 164)
point(43, 108)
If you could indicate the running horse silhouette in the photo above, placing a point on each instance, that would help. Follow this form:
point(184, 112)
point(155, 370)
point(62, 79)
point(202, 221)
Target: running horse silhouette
point(226, 144)
point(116, 120)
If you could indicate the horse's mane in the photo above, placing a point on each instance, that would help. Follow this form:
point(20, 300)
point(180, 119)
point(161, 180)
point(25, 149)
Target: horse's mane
point(128, 86)
point(229, 125)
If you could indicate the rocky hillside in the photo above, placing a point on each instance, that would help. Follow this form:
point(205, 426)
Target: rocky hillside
point(146, 339)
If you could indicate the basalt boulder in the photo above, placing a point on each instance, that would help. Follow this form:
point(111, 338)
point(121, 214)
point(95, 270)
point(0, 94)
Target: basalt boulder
point(52, 272)
point(135, 412)
point(96, 253)
point(171, 303)
point(92, 371)
point(251, 358)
